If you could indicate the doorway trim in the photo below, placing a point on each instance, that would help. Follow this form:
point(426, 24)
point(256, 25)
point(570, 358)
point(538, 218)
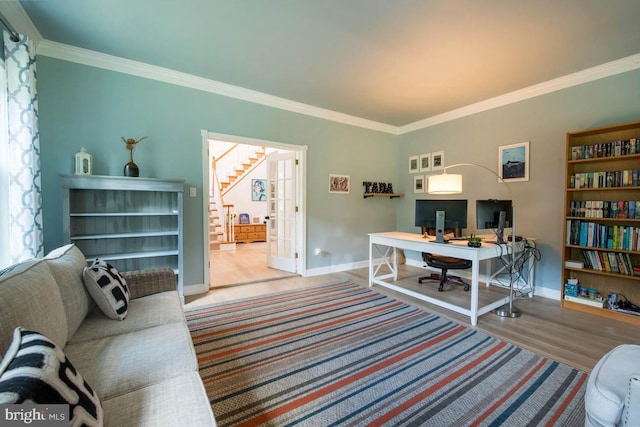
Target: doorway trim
point(301, 200)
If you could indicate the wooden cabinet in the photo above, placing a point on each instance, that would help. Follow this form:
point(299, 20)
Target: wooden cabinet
point(132, 223)
point(246, 233)
point(602, 219)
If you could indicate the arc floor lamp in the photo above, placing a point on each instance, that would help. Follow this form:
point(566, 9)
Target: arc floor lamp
point(447, 183)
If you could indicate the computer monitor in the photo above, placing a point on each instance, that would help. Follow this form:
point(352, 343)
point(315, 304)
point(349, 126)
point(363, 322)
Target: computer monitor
point(495, 215)
point(453, 211)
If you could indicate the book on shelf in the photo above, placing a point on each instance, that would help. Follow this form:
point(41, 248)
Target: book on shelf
point(611, 262)
point(595, 235)
point(574, 263)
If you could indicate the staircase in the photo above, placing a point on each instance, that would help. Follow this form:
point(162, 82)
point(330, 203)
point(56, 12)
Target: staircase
point(227, 170)
point(240, 160)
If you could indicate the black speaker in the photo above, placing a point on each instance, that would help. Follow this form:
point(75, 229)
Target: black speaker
point(439, 226)
point(501, 223)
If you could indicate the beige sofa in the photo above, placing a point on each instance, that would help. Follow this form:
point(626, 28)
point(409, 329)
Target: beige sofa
point(143, 368)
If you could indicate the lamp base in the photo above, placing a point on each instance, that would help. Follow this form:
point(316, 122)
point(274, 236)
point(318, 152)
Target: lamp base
point(506, 311)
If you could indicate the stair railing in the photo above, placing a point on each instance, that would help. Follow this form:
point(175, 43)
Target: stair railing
point(235, 162)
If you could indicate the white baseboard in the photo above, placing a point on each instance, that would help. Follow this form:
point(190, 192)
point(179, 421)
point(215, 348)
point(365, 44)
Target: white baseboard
point(336, 268)
point(195, 289)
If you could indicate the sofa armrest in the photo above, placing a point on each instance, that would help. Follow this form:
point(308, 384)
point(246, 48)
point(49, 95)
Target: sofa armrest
point(147, 282)
point(631, 414)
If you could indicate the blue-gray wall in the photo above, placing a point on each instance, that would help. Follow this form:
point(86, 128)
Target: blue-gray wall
point(81, 106)
point(544, 121)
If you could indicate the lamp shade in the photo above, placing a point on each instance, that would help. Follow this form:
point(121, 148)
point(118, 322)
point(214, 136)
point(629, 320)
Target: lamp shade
point(446, 183)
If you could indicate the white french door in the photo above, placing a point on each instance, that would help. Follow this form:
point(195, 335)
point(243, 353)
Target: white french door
point(281, 204)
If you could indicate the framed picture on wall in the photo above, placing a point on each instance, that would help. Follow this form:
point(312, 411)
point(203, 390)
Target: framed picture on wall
point(437, 160)
point(425, 162)
point(258, 190)
point(339, 184)
point(513, 162)
point(414, 164)
point(418, 184)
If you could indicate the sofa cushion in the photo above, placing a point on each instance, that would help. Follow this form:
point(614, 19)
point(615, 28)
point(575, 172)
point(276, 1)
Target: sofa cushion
point(145, 312)
point(36, 370)
point(119, 364)
point(107, 288)
point(67, 264)
point(179, 401)
point(29, 297)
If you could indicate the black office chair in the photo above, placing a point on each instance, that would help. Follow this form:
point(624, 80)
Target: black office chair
point(445, 263)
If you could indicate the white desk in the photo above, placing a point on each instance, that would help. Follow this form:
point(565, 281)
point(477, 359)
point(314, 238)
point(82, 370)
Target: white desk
point(394, 240)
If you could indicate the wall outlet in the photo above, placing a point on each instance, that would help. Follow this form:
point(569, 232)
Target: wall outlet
point(192, 192)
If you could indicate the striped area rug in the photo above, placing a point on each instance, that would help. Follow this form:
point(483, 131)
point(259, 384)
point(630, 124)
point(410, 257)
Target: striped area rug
point(342, 354)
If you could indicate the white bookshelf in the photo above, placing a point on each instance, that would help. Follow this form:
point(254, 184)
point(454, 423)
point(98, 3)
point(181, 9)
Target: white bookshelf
point(133, 223)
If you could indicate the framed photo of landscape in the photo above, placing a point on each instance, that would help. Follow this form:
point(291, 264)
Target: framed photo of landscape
point(513, 162)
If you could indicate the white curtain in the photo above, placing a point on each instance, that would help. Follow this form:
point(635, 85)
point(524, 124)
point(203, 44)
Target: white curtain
point(21, 216)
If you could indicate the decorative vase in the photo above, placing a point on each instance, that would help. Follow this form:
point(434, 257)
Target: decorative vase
point(474, 244)
point(131, 169)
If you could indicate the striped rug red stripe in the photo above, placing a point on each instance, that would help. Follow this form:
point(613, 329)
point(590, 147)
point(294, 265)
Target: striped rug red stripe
point(342, 354)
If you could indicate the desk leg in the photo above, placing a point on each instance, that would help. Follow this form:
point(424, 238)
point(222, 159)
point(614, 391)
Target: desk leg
point(370, 263)
point(395, 264)
point(488, 269)
point(475, 273)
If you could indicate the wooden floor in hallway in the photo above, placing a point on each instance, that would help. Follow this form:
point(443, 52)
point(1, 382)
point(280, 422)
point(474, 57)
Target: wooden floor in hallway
point(246, 264)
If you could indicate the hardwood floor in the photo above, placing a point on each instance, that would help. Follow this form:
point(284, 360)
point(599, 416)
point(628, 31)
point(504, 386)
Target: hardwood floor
point(571, 337)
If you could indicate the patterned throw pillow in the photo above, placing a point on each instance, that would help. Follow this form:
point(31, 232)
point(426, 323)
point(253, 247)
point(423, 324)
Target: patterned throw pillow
point(107, 288)
point(35, 370)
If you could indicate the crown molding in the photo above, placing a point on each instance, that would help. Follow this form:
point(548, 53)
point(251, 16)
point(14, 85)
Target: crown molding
point(140, 69)
point(608, 69)
point(19, 20)
point(15, 14)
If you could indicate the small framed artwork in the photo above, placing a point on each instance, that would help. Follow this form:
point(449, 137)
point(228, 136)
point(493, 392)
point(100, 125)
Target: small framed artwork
point(425, 162)
point(258, 190)
point(414, 164)
point(437, 160)
point(339, 184)
point(418, 184)
point(244, 218)
point(256, 220)
point(513, 162)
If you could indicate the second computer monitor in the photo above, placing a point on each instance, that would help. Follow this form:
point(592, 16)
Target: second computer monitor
point(494, 215)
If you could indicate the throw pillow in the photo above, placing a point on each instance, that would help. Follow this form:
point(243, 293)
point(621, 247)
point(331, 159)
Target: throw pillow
point(35, 370)
point(107, 288)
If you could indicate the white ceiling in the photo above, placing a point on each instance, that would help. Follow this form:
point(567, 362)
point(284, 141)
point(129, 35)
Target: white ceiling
point(393, 62)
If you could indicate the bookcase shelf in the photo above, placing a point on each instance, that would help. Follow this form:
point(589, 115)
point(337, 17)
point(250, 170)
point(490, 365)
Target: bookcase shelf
point(133, 223)
point(602, 170)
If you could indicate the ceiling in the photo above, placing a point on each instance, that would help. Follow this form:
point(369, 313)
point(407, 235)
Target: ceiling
point(393, 62)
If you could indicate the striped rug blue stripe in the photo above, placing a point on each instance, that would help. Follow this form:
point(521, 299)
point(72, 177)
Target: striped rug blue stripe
point(342, 354)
